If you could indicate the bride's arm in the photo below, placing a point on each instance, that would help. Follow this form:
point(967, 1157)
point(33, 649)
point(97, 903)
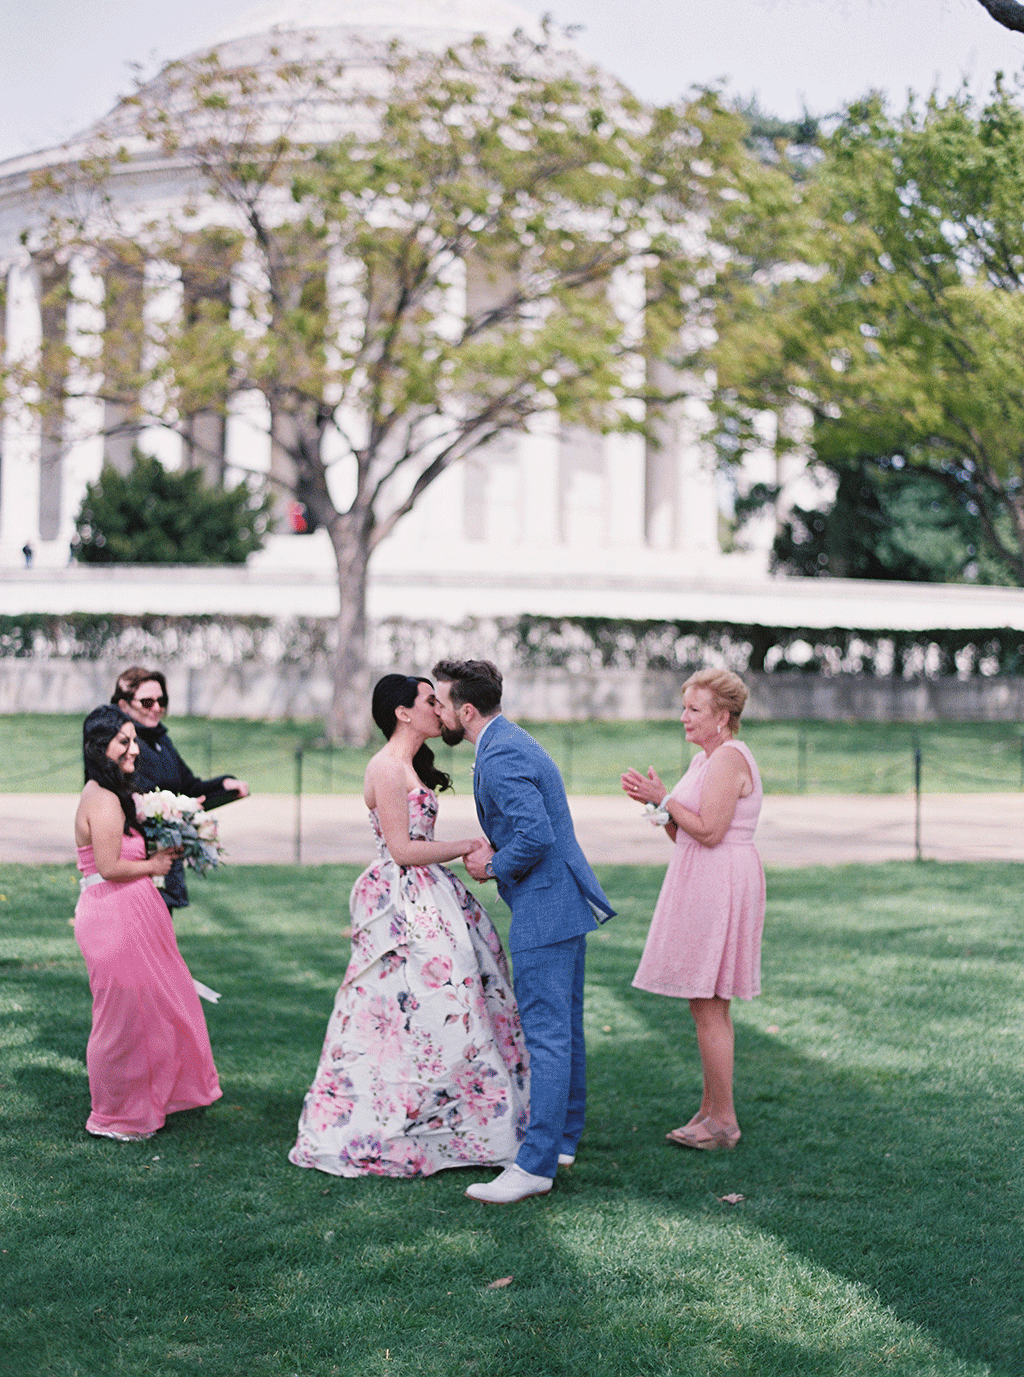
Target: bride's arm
point(387, 782)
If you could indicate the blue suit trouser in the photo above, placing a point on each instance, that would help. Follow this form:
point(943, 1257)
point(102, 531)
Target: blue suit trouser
point(548, 984)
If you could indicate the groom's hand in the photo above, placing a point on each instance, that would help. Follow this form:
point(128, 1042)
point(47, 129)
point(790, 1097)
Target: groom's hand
point(476, 860)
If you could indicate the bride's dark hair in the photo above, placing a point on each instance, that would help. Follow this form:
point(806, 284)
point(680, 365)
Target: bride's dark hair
point(98, 730)
point(399, 691)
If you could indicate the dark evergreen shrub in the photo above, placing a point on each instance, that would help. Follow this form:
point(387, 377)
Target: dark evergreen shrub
point(161, 516)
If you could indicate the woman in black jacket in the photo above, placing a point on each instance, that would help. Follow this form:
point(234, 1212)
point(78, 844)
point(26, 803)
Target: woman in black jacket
point(142, 694)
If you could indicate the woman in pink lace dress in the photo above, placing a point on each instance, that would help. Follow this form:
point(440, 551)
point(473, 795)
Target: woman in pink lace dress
point(423, 1066)
point(149, 1052)
point(704, 942)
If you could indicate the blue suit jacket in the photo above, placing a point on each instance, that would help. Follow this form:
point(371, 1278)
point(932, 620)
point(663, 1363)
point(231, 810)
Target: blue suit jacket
point(542, 873)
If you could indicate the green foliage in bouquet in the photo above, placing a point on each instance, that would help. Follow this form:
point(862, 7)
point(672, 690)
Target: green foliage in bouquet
point(157, 516)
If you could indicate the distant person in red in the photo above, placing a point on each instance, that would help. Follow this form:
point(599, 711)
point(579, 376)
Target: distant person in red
point(142, 694)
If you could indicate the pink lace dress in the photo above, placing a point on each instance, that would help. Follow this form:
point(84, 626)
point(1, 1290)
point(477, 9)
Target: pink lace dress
point(149, 1052)
point(705, 936)
point(424, 1065)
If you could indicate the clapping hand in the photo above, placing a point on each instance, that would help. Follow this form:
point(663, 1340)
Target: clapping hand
point(644, 788)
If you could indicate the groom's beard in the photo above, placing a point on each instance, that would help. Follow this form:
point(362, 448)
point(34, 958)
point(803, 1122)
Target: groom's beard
point(451, 736)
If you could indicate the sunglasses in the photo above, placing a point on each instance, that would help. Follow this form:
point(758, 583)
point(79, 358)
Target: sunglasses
point(147, 704)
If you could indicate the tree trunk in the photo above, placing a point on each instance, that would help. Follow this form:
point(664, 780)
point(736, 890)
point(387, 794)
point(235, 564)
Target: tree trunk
point(350, 721)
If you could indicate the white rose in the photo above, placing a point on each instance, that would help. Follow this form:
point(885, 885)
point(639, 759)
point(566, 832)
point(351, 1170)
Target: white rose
point(206, 826)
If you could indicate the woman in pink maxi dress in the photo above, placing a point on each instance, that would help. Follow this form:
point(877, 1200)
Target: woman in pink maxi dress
point(704, 943)
point(149, 1052)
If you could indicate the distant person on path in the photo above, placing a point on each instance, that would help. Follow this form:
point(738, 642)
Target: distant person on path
point(149, 1052)
point(543, 876)
point(423, 1066)
point(28, 552)
point(704, 942)
point(142, 694)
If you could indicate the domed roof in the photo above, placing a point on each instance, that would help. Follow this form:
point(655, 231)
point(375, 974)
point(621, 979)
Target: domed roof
point(347, 29)
point(411, 19)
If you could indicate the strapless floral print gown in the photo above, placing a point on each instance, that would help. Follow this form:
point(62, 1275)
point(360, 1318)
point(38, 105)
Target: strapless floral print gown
point(424, 1065)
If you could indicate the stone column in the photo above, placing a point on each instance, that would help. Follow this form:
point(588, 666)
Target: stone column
point(206, 261)
point(161, 305)
point(52, 284)
point(681, 490)
point(85, 411)
point(760, 465)
point(661, 476)
point(625, 454)
point(538, 451)
point(283, 468)
point(697, 516)
point(124, 284)
point(248, 440)
point(19, 475)
point(4, 275)
point(582, 490)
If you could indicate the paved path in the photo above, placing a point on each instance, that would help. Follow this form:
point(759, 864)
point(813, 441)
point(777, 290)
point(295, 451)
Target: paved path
point(795, 830)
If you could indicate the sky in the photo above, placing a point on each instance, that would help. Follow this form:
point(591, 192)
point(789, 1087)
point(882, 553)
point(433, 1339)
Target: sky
point(64, 62)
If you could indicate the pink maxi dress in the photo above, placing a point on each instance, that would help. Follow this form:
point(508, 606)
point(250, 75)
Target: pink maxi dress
point(705, 936)
point(149, 1052)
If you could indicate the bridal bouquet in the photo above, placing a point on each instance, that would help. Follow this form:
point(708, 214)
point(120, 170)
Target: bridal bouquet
point(167, 819)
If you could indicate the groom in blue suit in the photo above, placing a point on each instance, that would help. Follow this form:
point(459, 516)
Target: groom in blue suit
point(544, 877)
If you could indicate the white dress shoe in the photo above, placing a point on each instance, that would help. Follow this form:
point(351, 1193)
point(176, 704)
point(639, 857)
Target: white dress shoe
point(566, 1159)
point(513, 1184)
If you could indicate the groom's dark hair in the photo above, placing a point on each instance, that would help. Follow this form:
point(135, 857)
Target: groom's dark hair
point(473, 681)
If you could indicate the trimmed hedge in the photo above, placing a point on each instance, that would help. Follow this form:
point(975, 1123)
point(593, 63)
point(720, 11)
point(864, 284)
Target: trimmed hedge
point(573, 644)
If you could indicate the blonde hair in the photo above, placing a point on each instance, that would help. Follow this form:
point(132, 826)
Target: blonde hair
point(728, 692)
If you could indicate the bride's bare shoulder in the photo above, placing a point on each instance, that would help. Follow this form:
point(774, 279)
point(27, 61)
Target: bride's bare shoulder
point(383, 772)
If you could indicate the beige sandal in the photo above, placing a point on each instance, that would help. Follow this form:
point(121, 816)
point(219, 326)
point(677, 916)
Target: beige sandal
point(706, 1135)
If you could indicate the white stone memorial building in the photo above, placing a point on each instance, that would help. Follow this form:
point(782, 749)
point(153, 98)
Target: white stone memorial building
point(558, 519)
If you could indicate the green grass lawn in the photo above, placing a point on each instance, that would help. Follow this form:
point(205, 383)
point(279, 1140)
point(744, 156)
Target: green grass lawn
point(42, 754)
point(879, 1087)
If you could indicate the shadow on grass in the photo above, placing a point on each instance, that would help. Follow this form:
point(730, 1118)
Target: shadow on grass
point(903, 1174)
point(873, 1167)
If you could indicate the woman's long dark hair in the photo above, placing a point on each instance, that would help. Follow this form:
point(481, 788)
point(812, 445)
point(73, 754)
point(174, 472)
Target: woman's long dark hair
point(399, 691)
point(98, 730)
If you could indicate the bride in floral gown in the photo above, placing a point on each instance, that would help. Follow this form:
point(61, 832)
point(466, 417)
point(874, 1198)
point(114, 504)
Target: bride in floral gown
point(423, 1066)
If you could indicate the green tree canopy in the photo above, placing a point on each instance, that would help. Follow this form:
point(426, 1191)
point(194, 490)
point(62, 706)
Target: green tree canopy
point(900, 324)
point(425, 257)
